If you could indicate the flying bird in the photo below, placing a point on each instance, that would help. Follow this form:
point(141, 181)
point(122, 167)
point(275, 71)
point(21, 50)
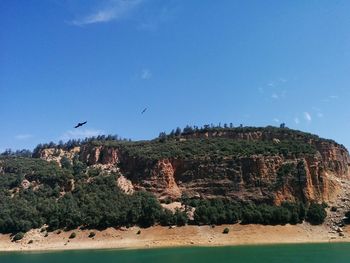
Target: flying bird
point(80, 124)
point(144, 110)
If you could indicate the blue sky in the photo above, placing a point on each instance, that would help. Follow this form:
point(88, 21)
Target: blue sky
point(188, 61)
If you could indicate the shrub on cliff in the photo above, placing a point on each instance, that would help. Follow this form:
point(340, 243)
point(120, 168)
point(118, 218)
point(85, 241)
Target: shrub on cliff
point(18, 236)
point(316, 214)
point(65, 163)
point(347, 215)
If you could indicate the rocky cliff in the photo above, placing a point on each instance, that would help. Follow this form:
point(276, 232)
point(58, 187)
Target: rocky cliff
point(258, 164)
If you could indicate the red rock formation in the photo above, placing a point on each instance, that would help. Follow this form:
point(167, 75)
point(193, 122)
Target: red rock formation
point(163, 181)
point(258, 178)
point(99, 155)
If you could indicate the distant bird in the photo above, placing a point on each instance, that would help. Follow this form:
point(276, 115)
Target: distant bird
point(80, 124)
point(144, 110)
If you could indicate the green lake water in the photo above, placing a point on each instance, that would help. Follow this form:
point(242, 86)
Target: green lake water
point(318, 253)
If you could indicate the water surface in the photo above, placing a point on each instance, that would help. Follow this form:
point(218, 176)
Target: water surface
point(318, 253)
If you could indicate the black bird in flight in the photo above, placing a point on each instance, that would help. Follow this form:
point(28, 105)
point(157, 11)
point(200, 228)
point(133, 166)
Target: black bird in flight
point(80, 124)
point(144, 110)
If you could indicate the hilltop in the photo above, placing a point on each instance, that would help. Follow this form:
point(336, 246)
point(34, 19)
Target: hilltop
point(208, 175)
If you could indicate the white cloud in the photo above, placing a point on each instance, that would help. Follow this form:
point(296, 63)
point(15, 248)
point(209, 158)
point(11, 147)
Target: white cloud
point(318, 112)
point(276, 120)
point(271, 84)
point(307, 116)
point(277, 82)
point(115, 10)
point(146, 74)
point(283, 80)
point(80, 134)
point(332, 97)
point(296, 120)
point(23, 136)
point(277, 88)
point(275, 96)
point(279, 95)
point(100, 16)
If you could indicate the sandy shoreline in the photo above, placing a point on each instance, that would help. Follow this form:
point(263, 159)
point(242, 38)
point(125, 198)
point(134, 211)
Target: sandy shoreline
point(158, 236)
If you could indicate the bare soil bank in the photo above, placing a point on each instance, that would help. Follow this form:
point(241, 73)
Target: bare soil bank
point(158, 236)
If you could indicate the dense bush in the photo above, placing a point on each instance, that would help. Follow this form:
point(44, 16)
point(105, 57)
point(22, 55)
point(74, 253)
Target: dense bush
point(216, 211)
point(225, 212)
point(18, 236)
point(180, 218)
point(316, 214)
point(73, 235)
point(226, 231)
point(213, 148)
point(167, 218)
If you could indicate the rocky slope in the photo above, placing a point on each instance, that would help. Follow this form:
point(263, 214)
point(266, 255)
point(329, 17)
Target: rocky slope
point(296, 166)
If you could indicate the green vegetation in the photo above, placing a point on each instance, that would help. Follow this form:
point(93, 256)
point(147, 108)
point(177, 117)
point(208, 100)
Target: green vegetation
point(180, 144)
point(18, 153)
point(18, 236)
point(316, 214)
point(226, 148)
point(287, 171)
point(212, 148)
point(218, 211)
point(98, 203)
point(226, 231)
point(73, 235)
point(95, 202)
point(92, 234)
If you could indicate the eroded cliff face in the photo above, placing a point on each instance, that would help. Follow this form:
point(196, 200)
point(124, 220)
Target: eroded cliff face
point(259, 178)
point(93, 155)
point(56, 154)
